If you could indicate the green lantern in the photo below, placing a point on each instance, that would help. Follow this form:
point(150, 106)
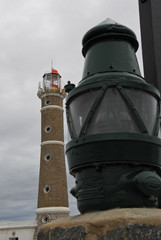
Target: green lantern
point(113, 118)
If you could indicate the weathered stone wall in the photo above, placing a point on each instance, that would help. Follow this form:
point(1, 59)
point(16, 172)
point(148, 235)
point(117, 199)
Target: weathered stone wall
point(52, 180)
point(117, 224)
point(47, 215)
point(53, 99)
point(54, 119)
point(52, 194)
point(52, 173)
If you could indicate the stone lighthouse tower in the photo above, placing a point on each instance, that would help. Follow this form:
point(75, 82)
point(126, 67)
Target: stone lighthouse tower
point(52, 194)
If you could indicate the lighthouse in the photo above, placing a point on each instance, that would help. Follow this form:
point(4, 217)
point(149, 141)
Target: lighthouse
point(52, 193)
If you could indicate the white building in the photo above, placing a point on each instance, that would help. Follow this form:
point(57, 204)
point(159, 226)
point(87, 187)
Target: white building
point(22, 230)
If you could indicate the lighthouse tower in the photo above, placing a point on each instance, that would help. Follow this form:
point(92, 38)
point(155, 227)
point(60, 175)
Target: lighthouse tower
point(52, 194)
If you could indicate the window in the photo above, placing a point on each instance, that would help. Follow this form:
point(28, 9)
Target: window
point(47, 101)
point(45, 219)
point(46, 189)
point(47, 83)
point(47, 157)
point(48, 129)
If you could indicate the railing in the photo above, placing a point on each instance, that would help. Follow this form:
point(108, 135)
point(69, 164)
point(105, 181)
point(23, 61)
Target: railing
point(48, 84)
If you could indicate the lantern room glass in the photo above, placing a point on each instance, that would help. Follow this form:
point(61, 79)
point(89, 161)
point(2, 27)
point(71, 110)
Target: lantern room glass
point(113, 114)
point(79, 109)
point(52, 80)
point(146, 105)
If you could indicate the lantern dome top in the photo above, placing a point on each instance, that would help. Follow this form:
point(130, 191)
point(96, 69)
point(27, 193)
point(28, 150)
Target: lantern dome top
point(107, 29)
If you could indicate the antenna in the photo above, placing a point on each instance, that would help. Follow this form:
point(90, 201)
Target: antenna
point(51, 64)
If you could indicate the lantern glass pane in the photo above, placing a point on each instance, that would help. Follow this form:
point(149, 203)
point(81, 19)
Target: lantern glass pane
point(112, 115)
point(80, 107)
point(48, 76)
point(146, 106)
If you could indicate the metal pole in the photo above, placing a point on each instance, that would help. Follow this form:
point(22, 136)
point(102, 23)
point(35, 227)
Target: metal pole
point(150, 23)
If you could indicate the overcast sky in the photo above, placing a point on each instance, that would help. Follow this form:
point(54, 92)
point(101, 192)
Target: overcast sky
point(32, 32)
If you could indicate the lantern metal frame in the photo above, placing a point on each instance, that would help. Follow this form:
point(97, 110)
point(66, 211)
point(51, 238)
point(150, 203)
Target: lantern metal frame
point(124, 139)
point(120, 85)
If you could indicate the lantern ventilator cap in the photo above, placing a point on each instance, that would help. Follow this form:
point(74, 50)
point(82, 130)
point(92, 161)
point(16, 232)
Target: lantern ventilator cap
point(107, 21)
point(107, 29)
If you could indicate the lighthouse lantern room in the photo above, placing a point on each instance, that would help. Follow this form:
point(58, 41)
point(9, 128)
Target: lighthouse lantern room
point(52, 79)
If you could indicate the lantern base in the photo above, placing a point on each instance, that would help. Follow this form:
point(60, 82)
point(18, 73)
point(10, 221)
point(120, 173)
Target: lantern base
point(112, 186)
point(115, 170)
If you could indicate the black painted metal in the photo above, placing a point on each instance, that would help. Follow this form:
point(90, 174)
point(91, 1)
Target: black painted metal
point(150, 23)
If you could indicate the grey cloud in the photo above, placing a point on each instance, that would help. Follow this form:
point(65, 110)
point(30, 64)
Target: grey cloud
point(31, 34)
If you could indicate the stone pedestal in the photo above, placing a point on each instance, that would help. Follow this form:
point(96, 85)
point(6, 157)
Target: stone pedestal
point(116, 224)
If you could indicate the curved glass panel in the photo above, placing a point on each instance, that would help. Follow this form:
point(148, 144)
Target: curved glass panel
point(159, 133)
point(112, 115)
point(80, 107)
point(146, 106)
